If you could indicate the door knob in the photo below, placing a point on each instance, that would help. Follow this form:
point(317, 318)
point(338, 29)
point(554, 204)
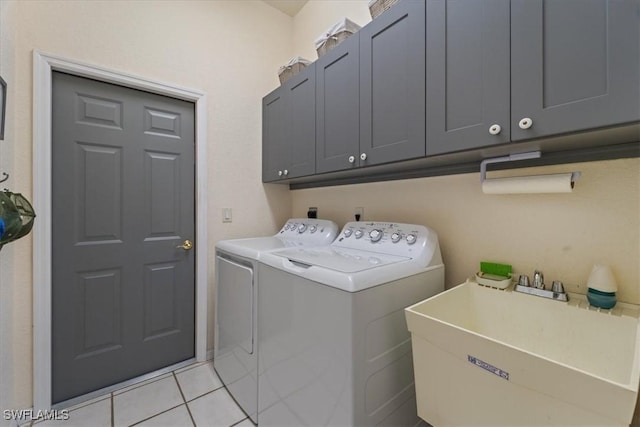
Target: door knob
point(186, 245)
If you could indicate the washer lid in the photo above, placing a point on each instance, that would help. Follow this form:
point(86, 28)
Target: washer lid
point(339, 259)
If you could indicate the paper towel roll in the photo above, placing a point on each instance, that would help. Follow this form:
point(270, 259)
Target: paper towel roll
point(556, 183)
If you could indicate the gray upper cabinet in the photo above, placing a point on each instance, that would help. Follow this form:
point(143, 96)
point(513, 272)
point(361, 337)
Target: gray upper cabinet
point(433, 77)
point(338, 103)
point(468, 74)
point(274, 129)
point(501, 71)
point(392, 85)
point(574, 65)
point(289, 128)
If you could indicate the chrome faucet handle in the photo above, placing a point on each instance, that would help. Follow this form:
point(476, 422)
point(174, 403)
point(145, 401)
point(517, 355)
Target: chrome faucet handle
point(523, 280)
point(557, 287)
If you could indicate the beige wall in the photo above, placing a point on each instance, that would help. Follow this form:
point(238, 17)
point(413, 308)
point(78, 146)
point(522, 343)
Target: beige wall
point(229, 49)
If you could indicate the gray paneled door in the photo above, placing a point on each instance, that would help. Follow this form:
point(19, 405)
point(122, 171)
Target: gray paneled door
point(468, 74)
point(337, 108)
point(123, 201)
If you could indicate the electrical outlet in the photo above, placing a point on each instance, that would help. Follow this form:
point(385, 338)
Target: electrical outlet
point(227, 215)
point(359, 214)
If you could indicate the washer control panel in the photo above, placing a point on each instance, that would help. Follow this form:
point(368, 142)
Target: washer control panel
point(310, 230)
point(387, 237)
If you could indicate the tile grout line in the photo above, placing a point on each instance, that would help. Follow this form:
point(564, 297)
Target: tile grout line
point(175, 377)
point(241, 421)
point(155, 415)
point(169, 409)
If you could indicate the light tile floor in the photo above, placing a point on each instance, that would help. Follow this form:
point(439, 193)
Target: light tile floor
point(191, 396)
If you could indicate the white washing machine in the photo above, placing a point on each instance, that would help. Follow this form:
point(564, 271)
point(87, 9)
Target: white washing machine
point(235, 352)
point(334, 346)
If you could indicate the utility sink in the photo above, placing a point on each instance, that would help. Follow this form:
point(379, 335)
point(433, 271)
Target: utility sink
point(484, 356)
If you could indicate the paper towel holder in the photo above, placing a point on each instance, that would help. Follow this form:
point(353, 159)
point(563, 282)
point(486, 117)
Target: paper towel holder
point(514, 158)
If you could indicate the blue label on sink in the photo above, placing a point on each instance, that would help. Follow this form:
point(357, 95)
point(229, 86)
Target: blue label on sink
point(488, 367)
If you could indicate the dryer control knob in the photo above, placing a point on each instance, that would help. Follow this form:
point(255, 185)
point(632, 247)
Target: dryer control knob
point(395, 237)
point(375, 235)
point(358, 234)
point(313, 228)
point(411, 239)
point(302, 228)
point(348, 232)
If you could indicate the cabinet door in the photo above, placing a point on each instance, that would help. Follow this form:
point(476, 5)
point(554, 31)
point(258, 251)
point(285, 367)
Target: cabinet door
point(301, 137)
point(337, 108)
point(274, 129)
point(574, 65)
point(392, 84)
point(468, 74)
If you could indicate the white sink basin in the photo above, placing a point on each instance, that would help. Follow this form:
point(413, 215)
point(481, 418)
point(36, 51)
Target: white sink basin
point(484, 356)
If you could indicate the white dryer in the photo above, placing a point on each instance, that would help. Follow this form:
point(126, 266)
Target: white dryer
point(334, 346)
point(235, 351)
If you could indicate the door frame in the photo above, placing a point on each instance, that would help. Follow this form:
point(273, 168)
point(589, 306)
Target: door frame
point(43, 67)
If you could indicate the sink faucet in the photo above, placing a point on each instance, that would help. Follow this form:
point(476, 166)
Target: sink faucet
point(537, 287)
point(538, 280)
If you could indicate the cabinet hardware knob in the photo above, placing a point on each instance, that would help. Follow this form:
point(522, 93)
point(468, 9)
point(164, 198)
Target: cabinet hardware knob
point(286, 172)
point(525, 123)
point(363, 156)
point(352, 159)
point(495, 129)
point(279, 173)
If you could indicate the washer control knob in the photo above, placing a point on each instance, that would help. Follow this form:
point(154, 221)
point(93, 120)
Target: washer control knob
point(313, 228)
point(375, 235)
point(411, 239)
point(358, 234)
point(348, 232)
point(302, 228)
point(395, 237)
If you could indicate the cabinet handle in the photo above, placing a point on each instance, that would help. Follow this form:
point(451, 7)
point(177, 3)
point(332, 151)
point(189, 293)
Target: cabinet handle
point(285, 173)
point(363, 156)
point(352, 159)
point(279, 173)
point(495, 129)
point(525, 123)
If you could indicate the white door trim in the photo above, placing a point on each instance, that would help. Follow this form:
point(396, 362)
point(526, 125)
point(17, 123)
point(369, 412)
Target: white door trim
point(43, 66)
